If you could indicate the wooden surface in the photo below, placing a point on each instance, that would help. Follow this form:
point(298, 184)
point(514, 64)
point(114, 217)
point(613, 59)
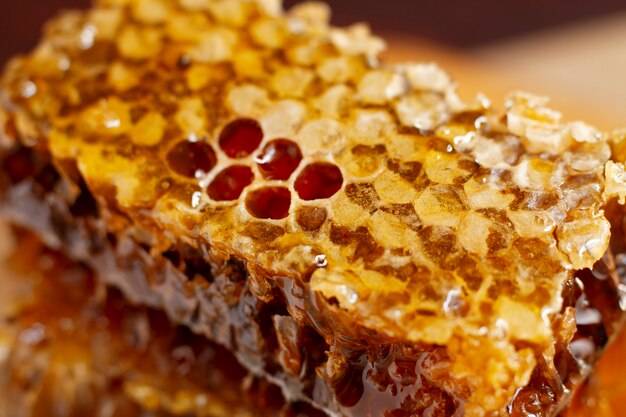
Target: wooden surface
point(582, 68)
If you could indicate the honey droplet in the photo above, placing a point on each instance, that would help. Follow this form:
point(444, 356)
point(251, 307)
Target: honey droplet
point(230, 183)
point(318, 181)
point(279, 159)
point(28, 89)
point(321, 261)
point(192, 159)
point(196, 199)
point(240, 138)
point(269, 203)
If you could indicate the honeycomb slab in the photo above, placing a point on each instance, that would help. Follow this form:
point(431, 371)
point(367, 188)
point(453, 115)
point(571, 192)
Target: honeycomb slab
point(71, 348)
point(354, 232)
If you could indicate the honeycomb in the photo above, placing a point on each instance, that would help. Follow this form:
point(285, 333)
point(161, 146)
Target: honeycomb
point(273, 138)
point(71, 349)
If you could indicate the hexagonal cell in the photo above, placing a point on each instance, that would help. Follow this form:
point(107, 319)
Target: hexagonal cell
point(230, 183)
point(240, 138)
point(279, 159)
point(311, 218)
point(441, 205)
point(318, 181)
point(364, 195)
point(191, 159)
point(269, 203)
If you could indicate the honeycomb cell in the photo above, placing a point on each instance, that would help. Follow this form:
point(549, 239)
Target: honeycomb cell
point(149, 130)
point(269, 203)
point(279, 159)
point(363, 195)
point(139, 44)
point(192, 159)
point(311, 218)
point(240, 138)
point(230, 183)
point(318, 181)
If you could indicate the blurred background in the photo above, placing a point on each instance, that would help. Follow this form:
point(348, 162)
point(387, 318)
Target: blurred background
point(572, 50)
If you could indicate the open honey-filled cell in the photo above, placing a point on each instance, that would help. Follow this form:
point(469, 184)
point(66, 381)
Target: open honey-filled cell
point(354, 233)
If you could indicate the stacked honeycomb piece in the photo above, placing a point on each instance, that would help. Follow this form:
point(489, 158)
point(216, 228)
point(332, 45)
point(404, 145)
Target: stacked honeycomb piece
point(73, 348)
point(354, 233)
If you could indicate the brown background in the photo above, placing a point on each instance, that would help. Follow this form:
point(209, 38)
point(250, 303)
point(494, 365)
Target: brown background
point(468, 22)
point(453, 22)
